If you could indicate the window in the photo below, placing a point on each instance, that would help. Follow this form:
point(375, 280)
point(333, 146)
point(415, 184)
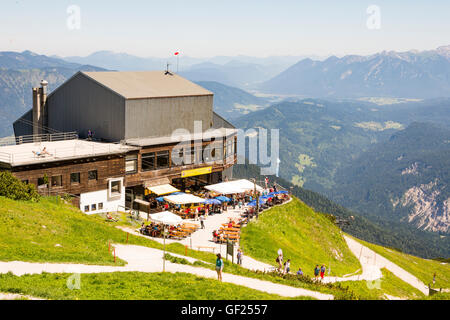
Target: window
point(86, 208)
point(148, 161)
point(131, 164)
point(100, 206)
point(213, 152)
point(94, 207)
point(41, 182)
point(177, 157)
point(93, 175)
point(75, 178)
point(115, 188)
point(162, 161)
point(57, 181)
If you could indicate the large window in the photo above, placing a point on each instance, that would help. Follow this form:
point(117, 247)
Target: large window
point(93, 175)
point(131, 164)
point(162, 160)
point(148, 161)
point(177, 157)
point(213, 152)
point(75, 178)
point(115, 188)
point(57, 181)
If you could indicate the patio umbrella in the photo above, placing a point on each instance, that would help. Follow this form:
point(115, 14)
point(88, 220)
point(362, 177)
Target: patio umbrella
point(223, 199)
point(213, 201)
point(253, 203)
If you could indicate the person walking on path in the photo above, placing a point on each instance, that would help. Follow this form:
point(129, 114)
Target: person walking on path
point(279, 260)
point(239, 257)
point(322, 271)
point(202, 222)
point(316, 272)
point(287, 266)
point(219, 267)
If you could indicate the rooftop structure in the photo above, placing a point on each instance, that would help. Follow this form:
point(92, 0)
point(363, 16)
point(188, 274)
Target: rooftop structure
point(34, 153)
point(147, 84)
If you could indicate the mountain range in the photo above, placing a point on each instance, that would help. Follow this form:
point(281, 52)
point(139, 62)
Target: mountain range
point(411, 74)
point(405, 178)
point(19, 73)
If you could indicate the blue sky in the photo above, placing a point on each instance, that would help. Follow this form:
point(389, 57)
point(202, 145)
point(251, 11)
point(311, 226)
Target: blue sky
point(201, 28)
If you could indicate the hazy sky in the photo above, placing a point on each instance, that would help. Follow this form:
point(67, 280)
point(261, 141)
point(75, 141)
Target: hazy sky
point(204, 28)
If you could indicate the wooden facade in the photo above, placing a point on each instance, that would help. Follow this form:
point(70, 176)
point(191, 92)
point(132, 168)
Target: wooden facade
point(140, 177)
point(107, 167)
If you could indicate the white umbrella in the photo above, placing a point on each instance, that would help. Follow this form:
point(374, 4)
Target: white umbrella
point(166, 218)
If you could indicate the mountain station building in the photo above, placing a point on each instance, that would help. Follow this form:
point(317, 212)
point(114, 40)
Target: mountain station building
point(112, 138)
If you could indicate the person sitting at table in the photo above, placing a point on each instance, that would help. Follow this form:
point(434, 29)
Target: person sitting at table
point(215, 236)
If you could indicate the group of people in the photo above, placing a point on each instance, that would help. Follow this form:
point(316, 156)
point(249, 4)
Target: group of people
point(285, 267)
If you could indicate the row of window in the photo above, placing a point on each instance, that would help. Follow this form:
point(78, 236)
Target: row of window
point(75, 178)
point(93, 207)
point(162, 159)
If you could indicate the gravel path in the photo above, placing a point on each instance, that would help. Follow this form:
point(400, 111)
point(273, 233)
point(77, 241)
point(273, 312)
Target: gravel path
point(142, 259)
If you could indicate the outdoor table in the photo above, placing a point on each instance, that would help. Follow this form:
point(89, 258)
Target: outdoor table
point(231, 229)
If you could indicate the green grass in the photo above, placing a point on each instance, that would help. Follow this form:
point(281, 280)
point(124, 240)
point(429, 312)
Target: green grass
point(388, 284)
point(52, 231)
point(130, 286)
point(307, 238)
point(421, 268)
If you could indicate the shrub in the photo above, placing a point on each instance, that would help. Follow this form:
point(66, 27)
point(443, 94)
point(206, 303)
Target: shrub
point(13, 188)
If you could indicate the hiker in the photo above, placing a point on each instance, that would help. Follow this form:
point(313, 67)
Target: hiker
point(322, 271)
point(287, 266)
point(202, 222)
point(316, 272)
point(219, 266)
point(279, 260)
point(300, 272)
point(434, 278)
point(239, 257)
point(266, 180)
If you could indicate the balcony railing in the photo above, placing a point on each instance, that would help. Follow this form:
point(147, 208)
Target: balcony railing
point(39, 138)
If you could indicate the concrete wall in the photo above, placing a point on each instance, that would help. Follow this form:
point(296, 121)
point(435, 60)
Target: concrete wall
point(110, 204)
point(81, 104)
point(161, 116)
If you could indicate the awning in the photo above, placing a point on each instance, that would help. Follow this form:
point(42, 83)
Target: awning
point(163, 189)
point(167, 218)
point(232, 187)
point(156, 182)
point(145, 203)
point(184, 199)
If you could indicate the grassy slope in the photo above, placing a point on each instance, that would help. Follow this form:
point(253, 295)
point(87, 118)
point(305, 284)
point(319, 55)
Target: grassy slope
point(130, 286)
point(421, 268)
point(31, 232)
point(389, 284)
point(306, 237)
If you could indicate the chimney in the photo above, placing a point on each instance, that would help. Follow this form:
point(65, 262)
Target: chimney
point(39, 108)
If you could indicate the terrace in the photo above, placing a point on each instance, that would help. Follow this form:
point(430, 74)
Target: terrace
point(47, 150)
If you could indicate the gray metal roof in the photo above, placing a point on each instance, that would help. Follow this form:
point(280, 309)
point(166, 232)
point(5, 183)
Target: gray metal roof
point(177, 138)
point(147, 84)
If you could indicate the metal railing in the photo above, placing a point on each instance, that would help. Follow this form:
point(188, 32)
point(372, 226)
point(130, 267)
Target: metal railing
point(48, 137)
point(60, 153)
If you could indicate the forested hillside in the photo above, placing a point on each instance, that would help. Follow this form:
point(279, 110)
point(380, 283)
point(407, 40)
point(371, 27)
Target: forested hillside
point(379, 231)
